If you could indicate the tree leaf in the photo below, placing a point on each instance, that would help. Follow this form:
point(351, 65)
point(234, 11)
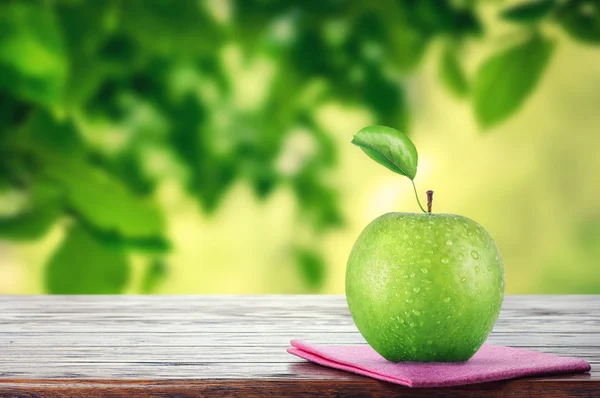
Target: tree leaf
point(97, 196)
point(185, 28)
point(506, 79)
point(318, 202)
point(13, 112)
point(154, 274)
point(528, 12)
point(581, 20)
point(85, 265)
point(309, 54)
point(127, 166)
point(104, 202)
point(33, 62)
point(83, 26)
point(386, 98)
point(311, 267)
point(452, 75)
point(45, 133)
point(390, 148)
point(31, 224)
point(155, 245)
point(44, 209)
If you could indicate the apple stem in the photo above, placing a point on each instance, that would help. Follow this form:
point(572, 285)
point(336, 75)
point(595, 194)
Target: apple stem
point(429, 200)
point(417, 196)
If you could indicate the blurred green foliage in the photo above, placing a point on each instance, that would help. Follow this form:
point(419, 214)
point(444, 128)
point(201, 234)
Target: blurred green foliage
point(153, 73)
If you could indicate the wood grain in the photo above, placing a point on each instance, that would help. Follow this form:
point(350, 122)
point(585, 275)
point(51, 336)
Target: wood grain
point(235, 345)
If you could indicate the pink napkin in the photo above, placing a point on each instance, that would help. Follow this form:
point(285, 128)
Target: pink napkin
point(488, 364)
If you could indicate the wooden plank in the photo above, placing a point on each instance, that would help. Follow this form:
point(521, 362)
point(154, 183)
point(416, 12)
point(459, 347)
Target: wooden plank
point(293, 388)
point(193, 371)
point(191, 346)
point(266, 339)
point(194, 354)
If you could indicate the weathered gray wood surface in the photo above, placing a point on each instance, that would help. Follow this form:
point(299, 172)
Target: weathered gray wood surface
point(78, 344)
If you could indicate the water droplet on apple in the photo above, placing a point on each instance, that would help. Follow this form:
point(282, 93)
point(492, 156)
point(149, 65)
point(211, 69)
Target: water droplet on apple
point(477, 269)
point(417, 289)
point(445, 260)
point(405, 276)
point(424, 270)
point(412, 324)
point(460, 256)
point(409, 300)
point(463, 280)
point(418, 236)
point(474, 254)
point(446, 299)
point(428, 281)
point(412, 275)
point(449, 242)
point(429, 341)
point(416, 312)
point(478, 291)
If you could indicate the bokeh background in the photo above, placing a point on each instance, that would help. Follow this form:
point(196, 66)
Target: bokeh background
point(204, 146)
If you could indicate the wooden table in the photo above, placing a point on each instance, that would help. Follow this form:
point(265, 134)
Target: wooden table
point(235, 345)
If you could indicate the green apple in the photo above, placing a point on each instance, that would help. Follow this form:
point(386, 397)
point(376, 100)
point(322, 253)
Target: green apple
point(424, 287)
point(421, 287)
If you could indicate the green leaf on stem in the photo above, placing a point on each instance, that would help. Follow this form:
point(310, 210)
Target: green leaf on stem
point(390, 148)
point(505, 80)
point(528, 12)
